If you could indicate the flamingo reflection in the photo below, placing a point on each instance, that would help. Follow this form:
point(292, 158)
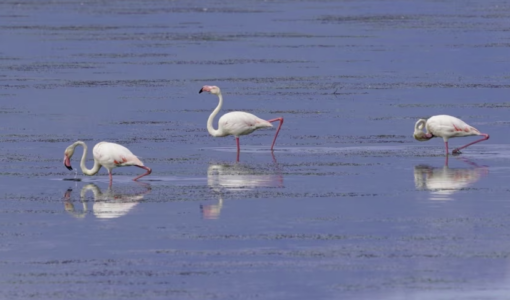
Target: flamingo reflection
point(107, 205)
point(224, 178)
point(442, 182)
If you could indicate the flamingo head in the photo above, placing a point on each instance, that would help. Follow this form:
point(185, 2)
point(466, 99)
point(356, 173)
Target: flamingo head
point(419, 134)
point(422, 136)
point(67, 157)
point(211, 89)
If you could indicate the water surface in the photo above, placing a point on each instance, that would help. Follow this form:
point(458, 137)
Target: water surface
point(348, 205)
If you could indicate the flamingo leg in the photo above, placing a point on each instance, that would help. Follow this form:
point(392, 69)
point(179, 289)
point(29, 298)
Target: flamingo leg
point(111, 178)
point(277, 130)
point(274, 158)
point(149, 170)
point(485, 137)
point(238, 148)
point(446, 145)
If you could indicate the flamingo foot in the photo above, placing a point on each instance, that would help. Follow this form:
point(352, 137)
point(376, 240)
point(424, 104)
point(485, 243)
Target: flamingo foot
point(456, 152)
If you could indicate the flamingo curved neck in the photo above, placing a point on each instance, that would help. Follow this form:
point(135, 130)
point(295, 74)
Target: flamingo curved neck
point(419, 126)
point(210, 128)
point(83, 167)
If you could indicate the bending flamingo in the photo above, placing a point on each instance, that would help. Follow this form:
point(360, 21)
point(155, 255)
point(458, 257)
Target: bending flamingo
point(108, 155)
point(236, 123)
point(446, 127)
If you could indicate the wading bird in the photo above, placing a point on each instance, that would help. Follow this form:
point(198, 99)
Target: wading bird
point(108, 155)
point(236, 123)
point(446, 127)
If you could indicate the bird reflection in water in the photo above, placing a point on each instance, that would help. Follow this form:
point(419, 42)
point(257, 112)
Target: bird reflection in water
point(108, 205)
point(224, 178)
point(443, 182)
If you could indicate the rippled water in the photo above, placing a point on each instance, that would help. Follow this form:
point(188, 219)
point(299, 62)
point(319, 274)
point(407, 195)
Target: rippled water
point(348, 206)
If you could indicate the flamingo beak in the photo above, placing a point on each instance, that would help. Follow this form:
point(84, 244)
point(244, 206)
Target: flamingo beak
point(67, 163)
point(201, 90)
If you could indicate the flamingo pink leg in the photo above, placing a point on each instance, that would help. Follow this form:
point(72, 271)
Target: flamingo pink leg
point(486, 137)
point(238, 148)
point(111, 178)
point(277, 130)
point(149, 170)
point(446, 145)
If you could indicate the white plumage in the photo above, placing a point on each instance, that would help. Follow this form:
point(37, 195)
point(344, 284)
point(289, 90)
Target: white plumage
point(239, 123)
point(108, 155)
point(112, 155)
point(446, 127)
point(236, 123)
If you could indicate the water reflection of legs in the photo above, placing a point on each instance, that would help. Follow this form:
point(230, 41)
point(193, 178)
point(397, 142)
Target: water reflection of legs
point(465, 160)
point(146, 185)
point(484, 170)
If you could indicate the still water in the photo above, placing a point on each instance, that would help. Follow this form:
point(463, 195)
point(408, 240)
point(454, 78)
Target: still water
point(348, 206)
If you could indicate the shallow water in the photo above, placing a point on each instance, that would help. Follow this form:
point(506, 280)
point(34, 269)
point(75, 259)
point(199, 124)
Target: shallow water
point(348, 205)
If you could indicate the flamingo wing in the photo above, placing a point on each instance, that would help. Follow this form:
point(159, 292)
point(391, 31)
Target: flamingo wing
point(241, 123)
point(448, 126)
point(115, 155)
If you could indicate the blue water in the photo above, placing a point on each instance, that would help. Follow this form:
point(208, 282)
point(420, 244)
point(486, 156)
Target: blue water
point(348, 206)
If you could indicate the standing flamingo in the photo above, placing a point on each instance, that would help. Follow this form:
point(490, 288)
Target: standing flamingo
point(109, 155)
point(446, 127)
point(236, 123)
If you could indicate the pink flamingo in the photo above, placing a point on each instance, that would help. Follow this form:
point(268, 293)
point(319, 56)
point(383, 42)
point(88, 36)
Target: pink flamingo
point(446, 127)
point(236, 123)
point(108, 155)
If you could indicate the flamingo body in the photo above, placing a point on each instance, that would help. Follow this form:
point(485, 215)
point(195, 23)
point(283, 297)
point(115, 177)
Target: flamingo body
point(239, 123)
point(112, 155)
point(449, 127)
point(446, 127)
point(108, 155)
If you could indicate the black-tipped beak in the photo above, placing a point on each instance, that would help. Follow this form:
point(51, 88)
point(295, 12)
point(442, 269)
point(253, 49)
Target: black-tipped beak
point(67, 163)
point(201, 90)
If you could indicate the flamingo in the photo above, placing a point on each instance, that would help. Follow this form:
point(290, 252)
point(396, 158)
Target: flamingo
point(446, 127)
point(108, 155)
point(236, 123)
